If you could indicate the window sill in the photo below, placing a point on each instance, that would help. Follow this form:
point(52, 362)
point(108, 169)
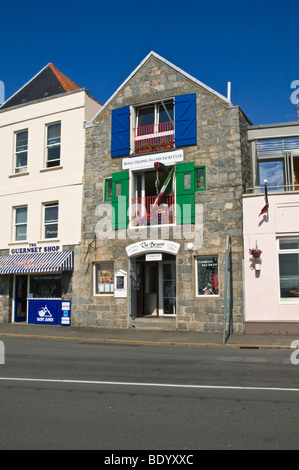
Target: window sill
point(17, 175)
point(52, 168)
point(21, 242)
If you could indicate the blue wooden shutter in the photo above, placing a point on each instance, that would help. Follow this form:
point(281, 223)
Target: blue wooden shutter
point(185, 120)
point(120, 132)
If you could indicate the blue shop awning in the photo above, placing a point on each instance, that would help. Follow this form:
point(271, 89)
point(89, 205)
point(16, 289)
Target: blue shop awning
point(37, 263)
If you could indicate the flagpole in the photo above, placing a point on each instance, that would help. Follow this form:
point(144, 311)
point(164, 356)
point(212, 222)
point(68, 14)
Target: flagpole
point(267, 200)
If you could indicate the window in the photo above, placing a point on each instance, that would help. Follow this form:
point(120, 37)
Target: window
point(20, 223)
point(154, 127)
point(108, 189)
point(51, 220)
point(45, 286)
point(104, 278)
point(21, 146)
point(200, 178)
point(207, 275)
point(273, 172)
point(53, 145)
point(288, 254)
point(278, 163)
point(147, 208)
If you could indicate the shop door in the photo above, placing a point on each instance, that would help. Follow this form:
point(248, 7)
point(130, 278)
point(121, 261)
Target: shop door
point(21, 292)
point(168, 287)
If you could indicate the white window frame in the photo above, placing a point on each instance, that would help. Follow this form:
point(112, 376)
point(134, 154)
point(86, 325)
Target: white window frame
point(49, 146)
point(286, 300)
point(45, 224)
point(111, 285)
point(20, 169)
point(135, 121)
point(19, 224)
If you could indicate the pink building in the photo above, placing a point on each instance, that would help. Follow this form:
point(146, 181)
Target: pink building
point(272, 281)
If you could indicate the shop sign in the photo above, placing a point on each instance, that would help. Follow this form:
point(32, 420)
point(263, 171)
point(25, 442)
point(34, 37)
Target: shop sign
point(148, 161)
point(66, 313)
point(163, 246)
point(153, 257)
point(42, 312)
point(33, 248)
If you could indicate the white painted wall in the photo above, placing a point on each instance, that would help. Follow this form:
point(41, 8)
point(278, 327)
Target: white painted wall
point(40, 185)
point(262, 290)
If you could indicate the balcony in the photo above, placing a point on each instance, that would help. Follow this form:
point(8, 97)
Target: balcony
point(154, 137)
point(149, 211)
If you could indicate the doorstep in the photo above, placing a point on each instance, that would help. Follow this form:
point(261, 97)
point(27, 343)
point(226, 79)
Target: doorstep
point(152, 322)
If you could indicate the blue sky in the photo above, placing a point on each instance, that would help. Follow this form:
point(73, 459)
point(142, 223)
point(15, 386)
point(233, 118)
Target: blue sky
point(99, 43)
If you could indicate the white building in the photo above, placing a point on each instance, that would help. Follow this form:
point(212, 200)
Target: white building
point(42, 146)
point(272, 281)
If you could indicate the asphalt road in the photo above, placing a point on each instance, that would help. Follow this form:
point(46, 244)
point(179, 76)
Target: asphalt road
point(71, 395)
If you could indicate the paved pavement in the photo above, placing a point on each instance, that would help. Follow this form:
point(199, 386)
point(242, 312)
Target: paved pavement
point(178, 338)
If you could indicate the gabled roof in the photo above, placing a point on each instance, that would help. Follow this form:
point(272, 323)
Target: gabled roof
point(157, 56)
point(48, 82)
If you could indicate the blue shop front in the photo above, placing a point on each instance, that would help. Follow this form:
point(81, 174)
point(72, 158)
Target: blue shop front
point(40, 284)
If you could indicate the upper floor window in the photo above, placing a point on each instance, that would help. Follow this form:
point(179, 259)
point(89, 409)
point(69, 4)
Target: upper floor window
point(51, 220)
point(53, 145)
point(154, 127)
point(21, 151)
point(278, 163)
point(20, 225)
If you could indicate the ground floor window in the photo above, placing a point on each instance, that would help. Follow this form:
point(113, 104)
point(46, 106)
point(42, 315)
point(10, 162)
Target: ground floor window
point(45, 287)
point(288, 255)
point(104, 278)
point(207, 275)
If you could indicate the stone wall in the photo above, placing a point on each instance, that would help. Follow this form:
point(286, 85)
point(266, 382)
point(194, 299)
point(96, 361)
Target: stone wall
point(222, 148)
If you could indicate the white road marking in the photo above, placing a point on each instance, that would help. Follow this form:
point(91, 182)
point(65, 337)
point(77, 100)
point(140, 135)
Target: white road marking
point(137, 384)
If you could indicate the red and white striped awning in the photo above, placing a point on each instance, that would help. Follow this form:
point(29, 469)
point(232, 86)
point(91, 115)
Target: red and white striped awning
point(37, 263)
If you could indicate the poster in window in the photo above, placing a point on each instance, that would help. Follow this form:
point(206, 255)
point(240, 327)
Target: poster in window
point(104, 278)
point(207, 275)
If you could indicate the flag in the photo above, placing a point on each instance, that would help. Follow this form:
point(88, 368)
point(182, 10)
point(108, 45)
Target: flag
point(265, 209)
point(163, 189)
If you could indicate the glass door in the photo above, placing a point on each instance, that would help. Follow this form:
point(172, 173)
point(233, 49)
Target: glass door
point(169, 288)
point(21, 292)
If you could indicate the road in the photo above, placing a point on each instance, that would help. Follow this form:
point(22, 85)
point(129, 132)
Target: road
point(71, 395)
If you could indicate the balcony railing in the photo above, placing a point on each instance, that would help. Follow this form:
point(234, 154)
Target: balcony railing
point(146, 211)
point(154, 137)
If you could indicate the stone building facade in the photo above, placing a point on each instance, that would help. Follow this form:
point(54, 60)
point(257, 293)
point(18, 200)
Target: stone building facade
point(150, 260)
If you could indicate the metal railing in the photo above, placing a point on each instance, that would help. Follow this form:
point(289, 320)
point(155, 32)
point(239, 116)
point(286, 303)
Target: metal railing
point(154, 137)
point(144, 212)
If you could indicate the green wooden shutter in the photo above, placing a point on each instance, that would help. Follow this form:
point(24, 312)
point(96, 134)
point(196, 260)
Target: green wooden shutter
point(120, 200)
point(185, 193)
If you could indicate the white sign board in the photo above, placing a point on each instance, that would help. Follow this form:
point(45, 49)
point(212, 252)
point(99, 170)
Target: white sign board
point(147, 161)
point(162, 246)
point(153, 257)
point(120, 284)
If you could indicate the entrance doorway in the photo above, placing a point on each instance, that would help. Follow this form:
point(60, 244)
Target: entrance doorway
point(153, 286)
point(21, 294)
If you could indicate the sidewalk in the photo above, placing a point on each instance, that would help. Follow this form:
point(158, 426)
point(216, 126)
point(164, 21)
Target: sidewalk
point(133, 336)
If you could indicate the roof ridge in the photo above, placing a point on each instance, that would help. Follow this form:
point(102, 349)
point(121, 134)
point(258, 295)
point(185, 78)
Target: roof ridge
point(66, 83)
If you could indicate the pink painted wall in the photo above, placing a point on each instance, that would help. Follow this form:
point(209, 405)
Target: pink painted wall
point(262, 289)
